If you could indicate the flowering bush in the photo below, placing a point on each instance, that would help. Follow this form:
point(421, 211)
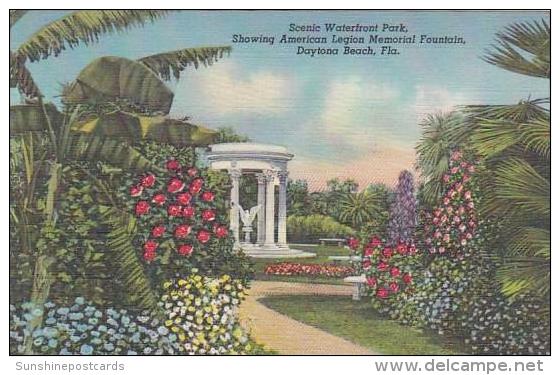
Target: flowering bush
point(199, 318)
point(303, 269)
point(402, 216)
point(202, 312)
point(459, 298)
point(450, 227)
point(181, 224)
point(388, 270)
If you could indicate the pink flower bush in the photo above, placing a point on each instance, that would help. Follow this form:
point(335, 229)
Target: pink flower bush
point(387, 268)
point(452, 225)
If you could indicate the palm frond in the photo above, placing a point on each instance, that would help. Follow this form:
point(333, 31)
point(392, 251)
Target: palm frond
point(163, 64)
point(521, 274)
point(83, 26)
point(433, 150)
point(529, 241)
point(492, 137)
point(536, 136)
point(15, 15)
point(21, 78)
point(531, 39)
point(523, 111)
point(125, 260)
point(519, 187)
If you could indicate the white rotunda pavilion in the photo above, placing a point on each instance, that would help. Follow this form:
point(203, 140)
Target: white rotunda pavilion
point(270, 165)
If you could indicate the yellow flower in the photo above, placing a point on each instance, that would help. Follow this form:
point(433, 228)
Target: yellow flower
point(182, 282)
point(181, 336)
point(168, 323)
point(167, 284)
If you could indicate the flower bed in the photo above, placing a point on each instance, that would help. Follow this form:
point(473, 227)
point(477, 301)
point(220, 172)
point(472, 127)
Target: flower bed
point(313, 270)
point(198, 316)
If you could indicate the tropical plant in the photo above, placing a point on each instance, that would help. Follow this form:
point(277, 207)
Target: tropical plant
point(513, 142)
point(433, 152)
point(357, 209)
point(402, 221)
point(64, 135)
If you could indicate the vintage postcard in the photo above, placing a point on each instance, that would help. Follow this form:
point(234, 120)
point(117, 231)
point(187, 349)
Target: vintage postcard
point(289, 182)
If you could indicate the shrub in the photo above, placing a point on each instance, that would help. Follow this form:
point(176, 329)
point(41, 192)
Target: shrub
point(199, 317)
point(452, 225)
point(308, 229)
point(181, 224)
point(389, 270)
point(202, 312)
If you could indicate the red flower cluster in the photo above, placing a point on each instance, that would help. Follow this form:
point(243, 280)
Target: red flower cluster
point(302, 269)
point(451, 225)
point(173, 203)
point(384, 266)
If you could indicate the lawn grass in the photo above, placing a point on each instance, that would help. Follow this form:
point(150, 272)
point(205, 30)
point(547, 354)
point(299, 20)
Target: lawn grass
point(322, 251)
point(356, 321)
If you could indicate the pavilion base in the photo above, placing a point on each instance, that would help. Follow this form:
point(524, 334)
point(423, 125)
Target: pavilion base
point(274, 251)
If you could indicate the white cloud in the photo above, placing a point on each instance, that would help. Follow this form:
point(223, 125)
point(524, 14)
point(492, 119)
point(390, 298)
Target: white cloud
point(226, 89)
point(350, 105)
point(431, 99)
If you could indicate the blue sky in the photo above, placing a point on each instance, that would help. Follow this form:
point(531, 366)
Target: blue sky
point(340, 115)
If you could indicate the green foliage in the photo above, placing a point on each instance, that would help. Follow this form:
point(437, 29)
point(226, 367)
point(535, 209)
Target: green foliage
point(107, 78)
point(519, 40)
point(128, 266)
point(21, 78)
point(84, 26)
point(433, 152)
point(298, 199)
point(229, 135)
point(358, 209)
point(163, 64)
point(308, 229)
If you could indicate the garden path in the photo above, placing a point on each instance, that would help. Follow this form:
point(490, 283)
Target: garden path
point(286, 335)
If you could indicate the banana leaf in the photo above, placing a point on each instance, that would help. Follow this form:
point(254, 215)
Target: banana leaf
point(132, 128)
point(110, 78)
point(31, 118)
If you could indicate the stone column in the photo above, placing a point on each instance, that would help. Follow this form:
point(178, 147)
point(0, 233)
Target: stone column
point(261, 200)
point(235, 174)
point(270, 182)
point(283, 177)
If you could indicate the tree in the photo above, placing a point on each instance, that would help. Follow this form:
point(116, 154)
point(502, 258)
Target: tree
point(513, 143)
point(298, 198)
point(87, 129)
